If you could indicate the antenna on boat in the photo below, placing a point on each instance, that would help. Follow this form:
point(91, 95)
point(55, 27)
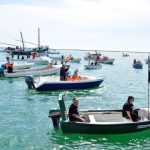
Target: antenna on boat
point(22, 41)
point(148, 83)
point(39, 38)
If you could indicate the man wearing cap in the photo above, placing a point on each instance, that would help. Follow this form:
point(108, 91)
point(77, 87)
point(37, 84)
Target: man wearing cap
point(73, 112)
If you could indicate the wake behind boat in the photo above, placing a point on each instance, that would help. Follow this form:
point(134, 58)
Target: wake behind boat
point(51, 83)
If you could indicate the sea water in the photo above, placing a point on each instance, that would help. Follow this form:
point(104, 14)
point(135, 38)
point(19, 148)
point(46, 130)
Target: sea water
point(24, 122)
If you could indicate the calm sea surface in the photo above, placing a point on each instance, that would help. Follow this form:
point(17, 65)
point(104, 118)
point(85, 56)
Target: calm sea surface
point(24, 122)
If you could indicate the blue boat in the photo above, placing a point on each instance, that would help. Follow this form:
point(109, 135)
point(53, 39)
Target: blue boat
point(138, 66)
point(46, 84)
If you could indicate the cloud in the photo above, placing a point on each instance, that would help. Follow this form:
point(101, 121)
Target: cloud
point(78, 23)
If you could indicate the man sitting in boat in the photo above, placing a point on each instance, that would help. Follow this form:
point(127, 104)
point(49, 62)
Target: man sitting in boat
point(128, 111)
point(95, 63)
point(92, 63)
point(134, 61)
point(73, 112)
point(9, 66)
point(55, 63)
point(76, 76)
point(105, 58)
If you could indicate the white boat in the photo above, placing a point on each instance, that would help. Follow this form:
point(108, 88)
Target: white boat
point(54, 83)
point(43, 60)
point(53, 51)
point(98, 66)
point(109, 61)
point(23, 66)
point(35, 72)
point(73, 60)
point(92, 56)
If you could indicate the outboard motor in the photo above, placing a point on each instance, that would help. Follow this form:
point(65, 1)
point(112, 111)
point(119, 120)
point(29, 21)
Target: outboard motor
point(55, 116)
point(30, 81)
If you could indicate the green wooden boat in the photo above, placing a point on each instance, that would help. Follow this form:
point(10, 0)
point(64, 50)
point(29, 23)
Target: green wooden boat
point(99, 121)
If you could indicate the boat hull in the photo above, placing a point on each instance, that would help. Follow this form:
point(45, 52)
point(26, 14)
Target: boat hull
point(34, 72)
point(71, 127)
point(138, 66)
point(106, 122)
point(61, 85)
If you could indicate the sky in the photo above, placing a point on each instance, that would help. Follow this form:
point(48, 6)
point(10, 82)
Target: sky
point(77, 24)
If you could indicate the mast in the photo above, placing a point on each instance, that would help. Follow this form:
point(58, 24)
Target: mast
point(39, 38)
point(22, 41)
point(148, 84)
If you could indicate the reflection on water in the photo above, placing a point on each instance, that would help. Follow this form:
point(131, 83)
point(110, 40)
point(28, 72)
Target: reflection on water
point(84, 141)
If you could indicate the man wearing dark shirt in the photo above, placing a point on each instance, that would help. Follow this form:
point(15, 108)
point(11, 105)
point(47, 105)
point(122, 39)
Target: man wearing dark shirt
point(62, 73)
point(73, 112)
point(128, 111)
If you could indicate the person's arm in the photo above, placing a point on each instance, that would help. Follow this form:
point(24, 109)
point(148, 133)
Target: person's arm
point(129, 115)
point(78, 118)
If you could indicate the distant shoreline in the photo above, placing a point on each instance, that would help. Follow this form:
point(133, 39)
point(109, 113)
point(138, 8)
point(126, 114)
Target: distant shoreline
point(114, 51)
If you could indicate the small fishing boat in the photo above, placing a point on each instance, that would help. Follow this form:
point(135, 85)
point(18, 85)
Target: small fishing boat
point(125, 55)
point(98, 66)
point(23, 66)
point(43, 60)
point(138, 66)
point(99, 121)
point(35, 72)
point(98, 58)
point(109, 61)
point(72, 60)
point(51, 83)
point(53, 51)
point(92, 56)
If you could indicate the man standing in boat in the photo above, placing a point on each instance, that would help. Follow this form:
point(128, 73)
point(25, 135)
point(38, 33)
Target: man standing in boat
point(73, 112)
point(128, 110)
point(63, 73)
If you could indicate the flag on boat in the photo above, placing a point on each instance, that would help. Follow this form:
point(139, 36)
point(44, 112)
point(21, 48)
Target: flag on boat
point(68, 58)
point(148, 69)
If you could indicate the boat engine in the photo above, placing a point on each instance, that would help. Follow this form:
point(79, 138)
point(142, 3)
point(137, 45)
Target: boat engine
point(30, 81)
point(55, 116)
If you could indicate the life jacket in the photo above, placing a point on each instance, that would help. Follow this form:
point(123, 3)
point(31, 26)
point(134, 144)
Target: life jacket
point(69, 79)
